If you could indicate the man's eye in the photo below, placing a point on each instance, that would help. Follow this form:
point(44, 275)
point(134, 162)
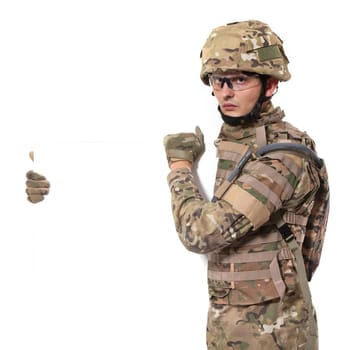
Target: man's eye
point(240, 80)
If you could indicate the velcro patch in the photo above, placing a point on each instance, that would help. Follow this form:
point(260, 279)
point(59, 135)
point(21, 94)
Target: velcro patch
point(269, 53)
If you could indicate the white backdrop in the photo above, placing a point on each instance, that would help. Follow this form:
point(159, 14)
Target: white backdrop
point(92, 87)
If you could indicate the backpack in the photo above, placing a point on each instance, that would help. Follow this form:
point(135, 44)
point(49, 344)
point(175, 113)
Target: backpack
point(317, 221)
point(316, 226)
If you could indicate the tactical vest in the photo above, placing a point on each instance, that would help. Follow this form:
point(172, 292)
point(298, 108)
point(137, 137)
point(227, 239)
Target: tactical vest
point(263, 266)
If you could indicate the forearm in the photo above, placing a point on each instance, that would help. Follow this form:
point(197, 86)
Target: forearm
point(202, 226)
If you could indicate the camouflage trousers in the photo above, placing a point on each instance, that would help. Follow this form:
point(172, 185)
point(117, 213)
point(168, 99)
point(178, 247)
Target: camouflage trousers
point(269, 326)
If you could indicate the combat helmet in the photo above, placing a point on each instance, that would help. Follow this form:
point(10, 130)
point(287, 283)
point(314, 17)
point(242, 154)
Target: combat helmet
point(249, 46)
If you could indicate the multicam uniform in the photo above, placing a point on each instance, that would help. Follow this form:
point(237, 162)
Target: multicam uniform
point(259, 221)
point(257, 298)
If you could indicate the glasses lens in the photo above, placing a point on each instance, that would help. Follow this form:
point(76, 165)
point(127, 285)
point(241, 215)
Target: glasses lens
point(234, 82)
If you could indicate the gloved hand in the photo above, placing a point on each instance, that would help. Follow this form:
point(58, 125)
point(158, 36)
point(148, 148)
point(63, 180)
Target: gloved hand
point(184, 146)
point(37, 187)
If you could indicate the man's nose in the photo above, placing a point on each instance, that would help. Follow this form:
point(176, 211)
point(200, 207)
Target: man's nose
point(227, 91)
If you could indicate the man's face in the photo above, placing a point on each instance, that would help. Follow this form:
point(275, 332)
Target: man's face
point(236, 93)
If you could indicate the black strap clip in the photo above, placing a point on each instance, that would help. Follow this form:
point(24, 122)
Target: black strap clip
point(286, 232)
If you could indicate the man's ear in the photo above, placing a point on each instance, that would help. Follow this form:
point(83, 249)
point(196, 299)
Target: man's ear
point(272, 84)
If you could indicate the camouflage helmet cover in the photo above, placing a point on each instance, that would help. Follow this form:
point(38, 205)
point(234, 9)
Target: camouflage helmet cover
point(249, 46)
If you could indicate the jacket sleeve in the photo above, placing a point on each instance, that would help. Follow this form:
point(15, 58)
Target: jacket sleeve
point(264, 187)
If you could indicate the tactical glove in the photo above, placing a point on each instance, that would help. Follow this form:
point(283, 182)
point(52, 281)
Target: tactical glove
point(184, 146)
point(36, 187)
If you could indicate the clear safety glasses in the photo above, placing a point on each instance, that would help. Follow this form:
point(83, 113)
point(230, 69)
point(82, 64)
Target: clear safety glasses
point(236, 82)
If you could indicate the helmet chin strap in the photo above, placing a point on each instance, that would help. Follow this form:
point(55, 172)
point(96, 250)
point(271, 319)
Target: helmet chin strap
point(254, 114)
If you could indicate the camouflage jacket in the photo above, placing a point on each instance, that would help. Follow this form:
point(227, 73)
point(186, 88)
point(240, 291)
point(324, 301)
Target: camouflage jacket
point(248, 261)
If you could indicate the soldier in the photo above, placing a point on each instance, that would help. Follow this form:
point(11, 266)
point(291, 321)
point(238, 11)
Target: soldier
point(259, 221)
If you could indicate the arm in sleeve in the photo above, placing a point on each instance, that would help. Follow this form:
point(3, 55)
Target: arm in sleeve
point(264, 187)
